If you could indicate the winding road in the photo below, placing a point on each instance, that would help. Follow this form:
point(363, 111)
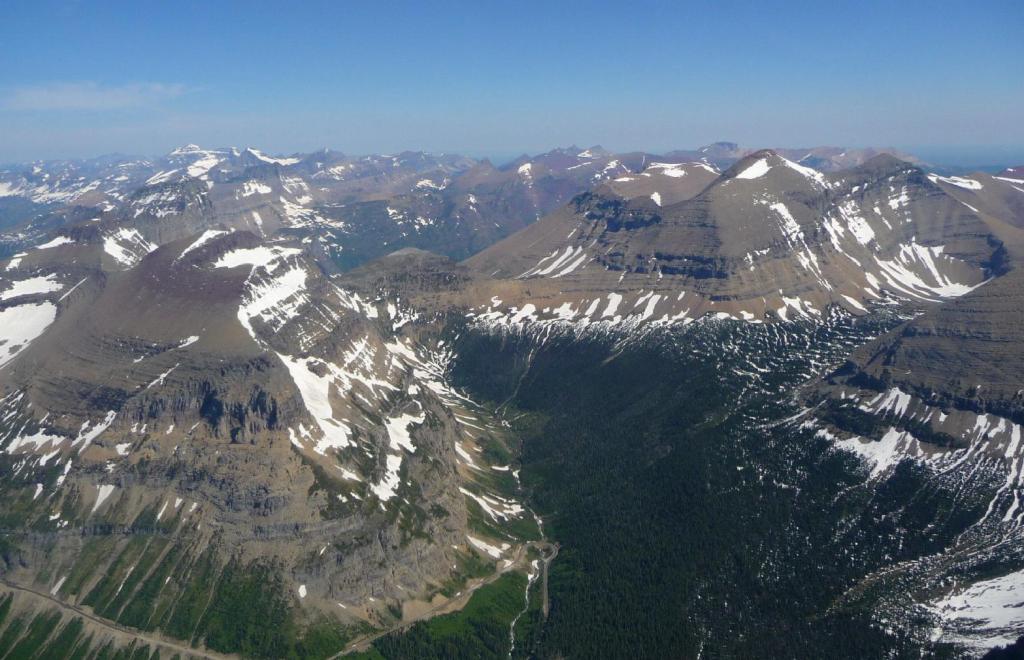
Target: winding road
point(110, 626)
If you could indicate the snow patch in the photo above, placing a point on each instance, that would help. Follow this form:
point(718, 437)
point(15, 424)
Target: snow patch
point(103, 492)
point(21, 324)
point(755, 170)
point(257, 256)
point(32, 286)
point(127, 246)
point(984, 614)
point(203, 239)
point(255, 188)
point(493, 551)
point(59, 240)
point(959, 181)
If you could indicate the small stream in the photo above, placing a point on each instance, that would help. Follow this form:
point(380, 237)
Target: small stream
point(531, 576)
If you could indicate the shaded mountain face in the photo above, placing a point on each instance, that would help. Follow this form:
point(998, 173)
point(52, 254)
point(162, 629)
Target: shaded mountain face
point(939, 398)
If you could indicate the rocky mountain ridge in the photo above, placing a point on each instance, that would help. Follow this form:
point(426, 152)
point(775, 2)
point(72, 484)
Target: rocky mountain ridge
point(767, 239)
point(357, 208)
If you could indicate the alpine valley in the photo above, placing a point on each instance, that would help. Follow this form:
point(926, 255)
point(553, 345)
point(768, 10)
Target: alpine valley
point(713, 403)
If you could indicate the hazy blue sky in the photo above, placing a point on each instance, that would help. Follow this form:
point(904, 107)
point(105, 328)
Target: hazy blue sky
point(495, 78)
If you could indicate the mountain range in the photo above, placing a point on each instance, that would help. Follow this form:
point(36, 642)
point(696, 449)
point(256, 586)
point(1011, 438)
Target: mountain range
point(581, 404)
